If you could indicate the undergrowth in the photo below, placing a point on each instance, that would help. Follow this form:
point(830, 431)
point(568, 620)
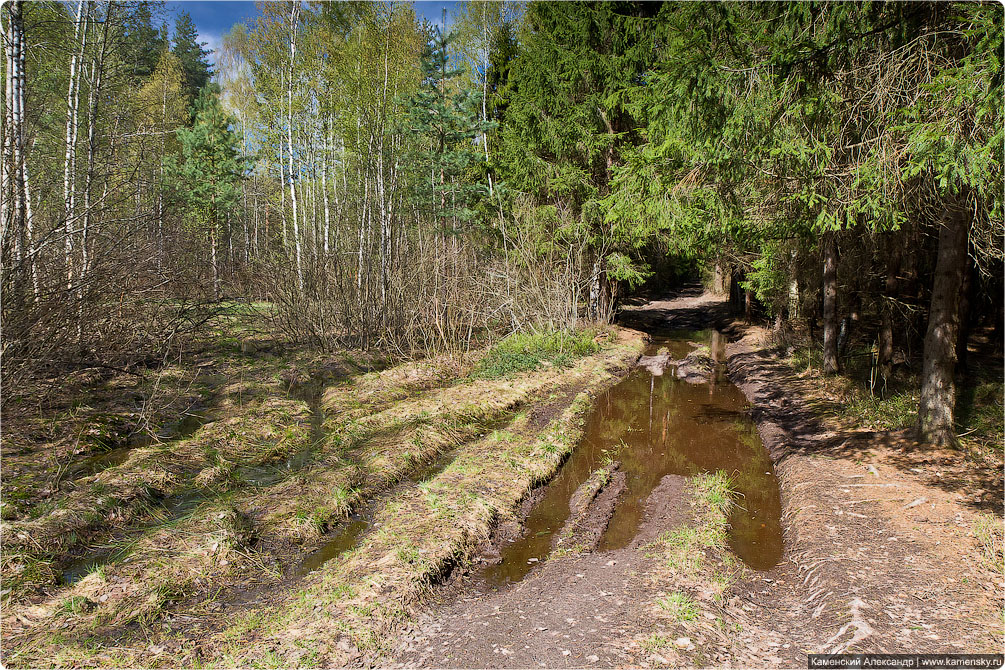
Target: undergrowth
point(897, 411)
point(988, 530)
point(980, 398)
point(521, 352)
point(679, 607)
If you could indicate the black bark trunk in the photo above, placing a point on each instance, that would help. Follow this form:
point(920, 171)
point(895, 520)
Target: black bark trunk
point(938, 392)
point(830, 290)
point(890, 294)
point(966, 307)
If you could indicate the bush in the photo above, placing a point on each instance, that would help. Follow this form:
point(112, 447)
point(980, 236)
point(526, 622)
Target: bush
point(895, 412)
point(521, 352)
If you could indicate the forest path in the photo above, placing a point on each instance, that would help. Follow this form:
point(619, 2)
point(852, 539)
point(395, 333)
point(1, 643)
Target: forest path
point(867, 567)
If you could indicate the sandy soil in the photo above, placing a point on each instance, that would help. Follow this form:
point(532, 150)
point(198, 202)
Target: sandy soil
point(880, 551)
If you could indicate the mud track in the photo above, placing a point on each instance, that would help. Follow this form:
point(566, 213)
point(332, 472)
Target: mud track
point(867, 567)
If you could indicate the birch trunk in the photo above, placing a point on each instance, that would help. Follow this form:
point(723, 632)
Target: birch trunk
point(324, 196)
point(70, 154)
point(6, 160)
point(294, 17)
point(14, 79)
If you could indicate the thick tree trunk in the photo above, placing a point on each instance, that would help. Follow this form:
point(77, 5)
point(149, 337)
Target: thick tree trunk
point(938, 393)
point(720, 280)
point(830, 304)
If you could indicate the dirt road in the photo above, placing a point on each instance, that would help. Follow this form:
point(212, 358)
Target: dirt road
point(880, 555)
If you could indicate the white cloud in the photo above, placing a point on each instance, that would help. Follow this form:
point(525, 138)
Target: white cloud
point(214, 42)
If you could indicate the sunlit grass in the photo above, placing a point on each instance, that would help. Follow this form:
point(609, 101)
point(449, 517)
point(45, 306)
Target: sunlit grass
point(991, 535)
point(521, 352)
point(679, 606)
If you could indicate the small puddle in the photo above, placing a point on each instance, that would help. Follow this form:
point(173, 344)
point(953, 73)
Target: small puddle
point(657, 425)
point(361, 521)
point(310, 391)
point(182, 427)
point(76, 570)
point(169, 510)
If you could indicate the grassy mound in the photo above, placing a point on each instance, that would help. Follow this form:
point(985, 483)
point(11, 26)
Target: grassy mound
point(521, 352)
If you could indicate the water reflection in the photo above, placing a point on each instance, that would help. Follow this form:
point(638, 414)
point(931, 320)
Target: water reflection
point(657, 425)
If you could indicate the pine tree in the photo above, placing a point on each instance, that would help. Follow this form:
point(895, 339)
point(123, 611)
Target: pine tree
point(207, 180)
point(190, 52)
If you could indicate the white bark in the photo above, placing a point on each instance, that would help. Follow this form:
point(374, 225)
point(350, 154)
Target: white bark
point(6, 161)
point(70, 154)
point(25, 195)
point(294, 17)
point(16, 129)
point(485, 86)
point(324, 195)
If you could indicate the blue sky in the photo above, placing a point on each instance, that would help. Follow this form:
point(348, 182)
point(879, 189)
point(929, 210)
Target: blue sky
point(214, 18)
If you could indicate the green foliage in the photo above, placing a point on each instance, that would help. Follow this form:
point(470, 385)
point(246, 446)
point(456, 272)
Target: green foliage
point(521, 352)
point(143, 43)
point(896, 411)
point(443, 121)
point(714, 491)
point(192, 55)
point(953, 132)
point(76, 605)
point(564, 127)
point(679, 607)
point(208, 177)
point(980, 413)
point(989, 532)
point(621, 268)
point(770, 275)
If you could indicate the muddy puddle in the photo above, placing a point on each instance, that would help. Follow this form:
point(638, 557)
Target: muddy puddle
point(657, 425)
point(173, 508)
point(350, 533)
point(169, 510)
point(184, 426)
point(310, 391)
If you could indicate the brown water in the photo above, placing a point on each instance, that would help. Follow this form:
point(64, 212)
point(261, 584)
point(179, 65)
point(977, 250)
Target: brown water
point(657, 425)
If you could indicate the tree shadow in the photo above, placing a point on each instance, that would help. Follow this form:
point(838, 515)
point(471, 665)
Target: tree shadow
point(785, 400)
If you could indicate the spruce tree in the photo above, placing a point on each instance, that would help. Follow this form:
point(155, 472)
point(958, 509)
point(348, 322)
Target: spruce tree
point(143, 43)
point(190, 52)
point(445, 120)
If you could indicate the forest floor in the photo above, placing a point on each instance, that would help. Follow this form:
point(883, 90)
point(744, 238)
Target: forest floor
point(336, 510)
point(889, 547)
point(293, 521)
